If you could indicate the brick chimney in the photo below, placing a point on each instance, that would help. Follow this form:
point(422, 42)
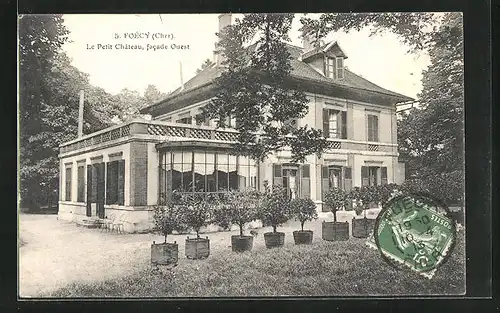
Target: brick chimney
point(224, 20)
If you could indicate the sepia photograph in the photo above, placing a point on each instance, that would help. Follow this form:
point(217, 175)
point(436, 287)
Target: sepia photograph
point(241, 155)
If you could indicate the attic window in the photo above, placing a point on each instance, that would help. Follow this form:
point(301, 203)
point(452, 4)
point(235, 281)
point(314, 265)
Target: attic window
point(334, 67)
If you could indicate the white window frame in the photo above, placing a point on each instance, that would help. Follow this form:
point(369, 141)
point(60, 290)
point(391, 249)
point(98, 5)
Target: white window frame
point(330, 67)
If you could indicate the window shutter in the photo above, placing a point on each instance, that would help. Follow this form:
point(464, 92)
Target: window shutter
point(108, 182)
point(94, 183)
point(347, 179)
point(277, 175)
point(102, 178)
point(89, 191)
point(326, 123)
point(81, 184)
point(121, 182)
point(369, 128)
point(89, 183)
point(375, 128)
point(364, 176)
point(306, 181)
point(383, 175)
point(325, 183)
point(343, 125)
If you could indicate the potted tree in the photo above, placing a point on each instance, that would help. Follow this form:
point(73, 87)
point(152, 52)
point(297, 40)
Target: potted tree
point(362, 227)
point(274, 211)
point(166, 218)
point(198, 212)
point(303, 209)
point(242, 206)
point(335, 199)
point(222, 214)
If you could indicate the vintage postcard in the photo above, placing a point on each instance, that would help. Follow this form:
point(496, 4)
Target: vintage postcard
point(241, 155)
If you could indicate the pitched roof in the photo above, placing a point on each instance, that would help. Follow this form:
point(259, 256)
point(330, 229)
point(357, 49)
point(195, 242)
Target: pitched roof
point(300, 70)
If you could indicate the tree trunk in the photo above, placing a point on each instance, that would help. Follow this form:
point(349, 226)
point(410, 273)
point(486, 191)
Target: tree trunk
point(241, 230)
point(274, 228)
point(334, 215)
point(302, 226)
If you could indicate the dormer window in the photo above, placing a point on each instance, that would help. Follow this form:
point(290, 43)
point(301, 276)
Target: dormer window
point(334, 67)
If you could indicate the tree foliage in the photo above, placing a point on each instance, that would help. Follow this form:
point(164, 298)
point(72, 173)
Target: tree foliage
point(153, 95)
point(48, 105)
point(303, 209)
point(274, 209)
point(335, 199)
point(253, 89)
point(206, 64)
point(413, 28)
point(49, 89)
point(166, 218)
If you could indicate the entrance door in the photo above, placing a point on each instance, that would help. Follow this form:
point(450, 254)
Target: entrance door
point(290, 181)
point(335, 177)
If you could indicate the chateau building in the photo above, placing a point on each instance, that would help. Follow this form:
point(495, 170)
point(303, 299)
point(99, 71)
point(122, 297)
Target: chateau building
point(120, 172)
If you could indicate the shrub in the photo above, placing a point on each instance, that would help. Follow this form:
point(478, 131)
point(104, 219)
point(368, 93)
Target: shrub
point(386, 192)
point(243, 207)
point(275, 208)
point(369, 194)
point(303, 209)
point(198, 210)
point(166, 218)
point(336, 198)
point(222, 215)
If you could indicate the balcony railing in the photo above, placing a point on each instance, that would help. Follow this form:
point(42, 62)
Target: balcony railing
point(161, 131)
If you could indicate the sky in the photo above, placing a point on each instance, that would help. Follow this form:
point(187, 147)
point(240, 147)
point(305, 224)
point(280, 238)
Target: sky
point(382, 59)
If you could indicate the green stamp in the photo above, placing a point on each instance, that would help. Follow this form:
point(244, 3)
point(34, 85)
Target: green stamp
point(414, 231)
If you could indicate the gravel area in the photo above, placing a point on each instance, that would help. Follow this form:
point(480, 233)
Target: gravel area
point(54, 253)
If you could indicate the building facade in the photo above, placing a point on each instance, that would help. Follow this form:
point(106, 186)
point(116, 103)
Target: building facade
point(119, 172)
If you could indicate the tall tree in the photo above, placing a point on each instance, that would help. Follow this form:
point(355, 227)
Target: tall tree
point(431, 135)
point(152, 95)
point(254, 90)
point(128, 102)
point(40, 40)
point(207, 63)
point(48, 107)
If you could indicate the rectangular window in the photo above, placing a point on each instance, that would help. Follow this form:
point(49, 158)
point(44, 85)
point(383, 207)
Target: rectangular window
point(334, 124)
point(370, 175)
point(81, 183)
point(330, 68)
point(68, 184)
point(115, 181)
point(340, 68)
point(372, 125)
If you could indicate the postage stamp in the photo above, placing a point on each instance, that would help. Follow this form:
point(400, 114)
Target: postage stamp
point(414, 231)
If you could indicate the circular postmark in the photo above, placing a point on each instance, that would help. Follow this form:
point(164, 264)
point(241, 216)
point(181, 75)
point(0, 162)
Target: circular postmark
point(415, 231)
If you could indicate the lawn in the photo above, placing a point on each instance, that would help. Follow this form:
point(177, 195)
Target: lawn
point(321, 269)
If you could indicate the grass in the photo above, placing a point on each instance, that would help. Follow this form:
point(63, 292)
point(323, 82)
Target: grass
point(321, 269)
